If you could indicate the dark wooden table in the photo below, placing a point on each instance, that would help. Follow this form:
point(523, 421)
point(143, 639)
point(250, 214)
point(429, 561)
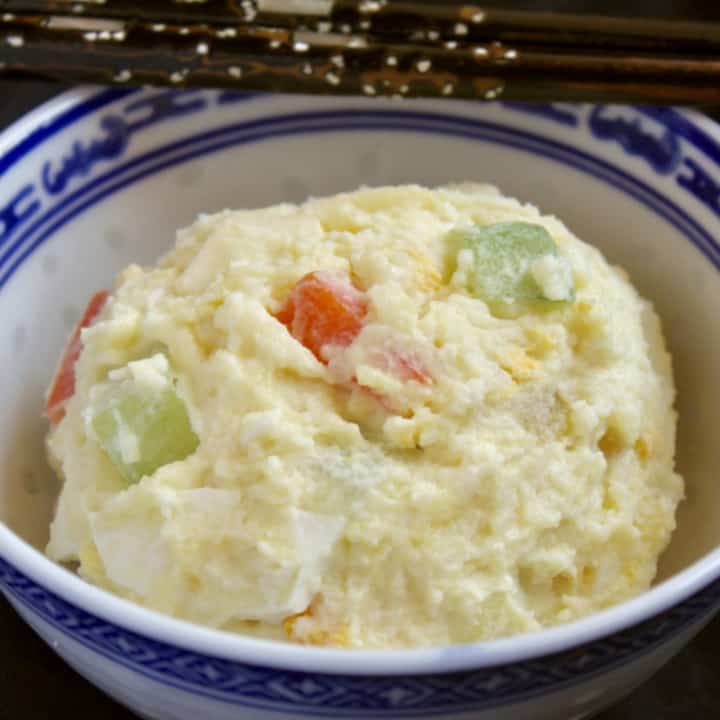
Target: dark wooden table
point(36, 684)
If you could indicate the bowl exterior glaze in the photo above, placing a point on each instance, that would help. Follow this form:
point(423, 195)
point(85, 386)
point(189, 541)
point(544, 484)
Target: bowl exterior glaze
point(101, 177)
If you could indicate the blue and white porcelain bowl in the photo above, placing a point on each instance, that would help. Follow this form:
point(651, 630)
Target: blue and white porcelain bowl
point(99, 178)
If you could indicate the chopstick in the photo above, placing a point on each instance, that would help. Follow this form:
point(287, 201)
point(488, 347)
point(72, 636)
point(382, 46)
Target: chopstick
point(401, 18)
point(370, 47)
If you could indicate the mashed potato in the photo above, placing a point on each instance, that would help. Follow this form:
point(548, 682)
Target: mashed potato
point(432, 467)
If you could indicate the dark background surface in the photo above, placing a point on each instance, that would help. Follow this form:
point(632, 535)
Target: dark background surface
point(35, 683)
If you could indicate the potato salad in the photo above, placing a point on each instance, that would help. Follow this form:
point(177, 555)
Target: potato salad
point(396, 417)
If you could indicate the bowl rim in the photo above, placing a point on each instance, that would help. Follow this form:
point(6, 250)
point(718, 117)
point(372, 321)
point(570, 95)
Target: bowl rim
point(287, 656)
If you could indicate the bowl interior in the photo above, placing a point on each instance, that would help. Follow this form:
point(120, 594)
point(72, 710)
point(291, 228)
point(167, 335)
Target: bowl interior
point(41, 300)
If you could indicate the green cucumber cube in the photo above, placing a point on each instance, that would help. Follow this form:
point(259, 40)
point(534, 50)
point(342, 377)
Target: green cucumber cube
point(517, 267)
point(141, 426)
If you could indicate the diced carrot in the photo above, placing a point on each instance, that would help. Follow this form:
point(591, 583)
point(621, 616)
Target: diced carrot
point(405, 366)
point(63, 386)
point(287, 313)
point(324, 310)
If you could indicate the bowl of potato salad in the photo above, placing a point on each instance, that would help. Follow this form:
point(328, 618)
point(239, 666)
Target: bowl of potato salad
point(354, 408)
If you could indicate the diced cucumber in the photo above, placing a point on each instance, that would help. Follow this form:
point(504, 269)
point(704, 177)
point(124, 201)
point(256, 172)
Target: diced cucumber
point(517, 268)
point(140, 425)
